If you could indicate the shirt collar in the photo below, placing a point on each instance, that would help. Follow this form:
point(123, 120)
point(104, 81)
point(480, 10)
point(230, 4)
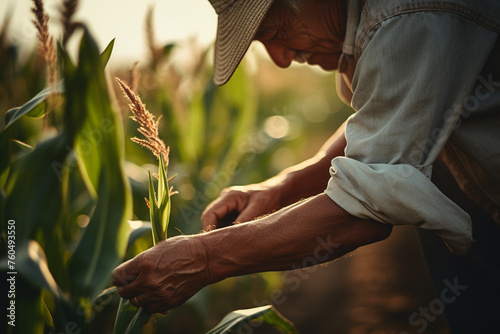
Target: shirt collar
point(353, 15)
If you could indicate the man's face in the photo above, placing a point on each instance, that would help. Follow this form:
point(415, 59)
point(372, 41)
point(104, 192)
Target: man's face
point(312, 35)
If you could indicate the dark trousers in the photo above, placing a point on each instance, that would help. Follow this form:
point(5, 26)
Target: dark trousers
point(468, 286)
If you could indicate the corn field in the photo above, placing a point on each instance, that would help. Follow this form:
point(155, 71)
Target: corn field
point(73, 185)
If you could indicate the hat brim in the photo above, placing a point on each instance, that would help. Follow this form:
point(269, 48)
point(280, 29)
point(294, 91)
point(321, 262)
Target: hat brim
point(236, 28)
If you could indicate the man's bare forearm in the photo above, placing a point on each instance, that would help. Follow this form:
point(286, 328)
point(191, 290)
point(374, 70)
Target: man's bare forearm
point(315, 228)
point(311, 176)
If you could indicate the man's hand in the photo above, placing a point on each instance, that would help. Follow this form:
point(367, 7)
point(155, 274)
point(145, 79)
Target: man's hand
point(301, 181)
point(165, 276)
point(248, 202)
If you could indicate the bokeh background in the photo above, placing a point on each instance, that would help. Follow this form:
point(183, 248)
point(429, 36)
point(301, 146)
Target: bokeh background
point(263, 121)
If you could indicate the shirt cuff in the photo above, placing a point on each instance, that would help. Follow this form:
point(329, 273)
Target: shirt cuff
point(398, 195)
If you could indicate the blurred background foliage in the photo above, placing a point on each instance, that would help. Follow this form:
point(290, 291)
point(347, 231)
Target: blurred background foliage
point(264, 120)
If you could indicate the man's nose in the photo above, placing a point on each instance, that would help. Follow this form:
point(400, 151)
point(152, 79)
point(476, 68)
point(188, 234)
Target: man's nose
point(281, 55)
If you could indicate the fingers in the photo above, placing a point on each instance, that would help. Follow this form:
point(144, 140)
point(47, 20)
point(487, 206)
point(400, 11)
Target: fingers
point(227, 203)
point(248, 202)
point(151, 303)
point(155, 307)
point(229, 219)
point(158, 303)
point(151, 308)
point(222, 218)
point(126, 278)
point(125, 273)
point(135, 301)
point(155, 302)
point(209, 221)
point(130, 290)
point(164, 276)
point(258, 206)
point(209, 218)
point(248, 214)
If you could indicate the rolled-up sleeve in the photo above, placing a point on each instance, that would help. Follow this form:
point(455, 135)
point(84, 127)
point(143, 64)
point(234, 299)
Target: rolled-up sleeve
point(411, 80)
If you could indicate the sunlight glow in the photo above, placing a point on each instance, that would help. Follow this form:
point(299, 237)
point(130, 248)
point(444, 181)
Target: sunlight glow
point(82, 221)
point(276, 126)
point(135, 224)
point(174, 21)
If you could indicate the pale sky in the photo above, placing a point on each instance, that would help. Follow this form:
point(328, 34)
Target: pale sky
point(120, 19)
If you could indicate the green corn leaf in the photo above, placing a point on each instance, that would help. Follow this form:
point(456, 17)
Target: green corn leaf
point(46, 314)
point(5, 153)
point(38, 111)
point(130, 319)
point(154, 212)
point(159, 206)
point(100, 130)
point(167, 49)
point(23, 146)
point(34, 195)
point(99, 151)
point(164, 205)
point(137, 231)
point(105, 294)
point(106, 54)
point(2, 203)
point(31, 263)
point(126, 312)
point(162, 187)
point(140, 319)
point(253, 318)
point(33, 276)
point(139, 238)
point(34, 107)
point(103, 243)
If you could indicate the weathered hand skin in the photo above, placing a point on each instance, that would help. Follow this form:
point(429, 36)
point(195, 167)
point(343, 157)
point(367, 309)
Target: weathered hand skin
point(164, 276)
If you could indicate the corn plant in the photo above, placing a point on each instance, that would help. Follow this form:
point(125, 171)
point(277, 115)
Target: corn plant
point(129, 318)
point(68, 192)
point(36, 199)
point(75, 172)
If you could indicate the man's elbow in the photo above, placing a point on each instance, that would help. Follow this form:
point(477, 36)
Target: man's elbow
point(370, 231)
point(381, 231)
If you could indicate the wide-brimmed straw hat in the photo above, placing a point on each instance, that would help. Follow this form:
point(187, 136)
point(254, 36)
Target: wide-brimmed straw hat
point(238, 21)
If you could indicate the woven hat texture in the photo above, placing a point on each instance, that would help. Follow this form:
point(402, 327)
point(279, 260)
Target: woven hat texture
point(238, 21)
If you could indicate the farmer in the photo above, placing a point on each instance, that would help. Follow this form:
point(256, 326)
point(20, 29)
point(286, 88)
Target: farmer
point(424, 79)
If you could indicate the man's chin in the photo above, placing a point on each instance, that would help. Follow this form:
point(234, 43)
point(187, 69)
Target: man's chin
point(328, 68)
point(328, 65)
point(325, 67)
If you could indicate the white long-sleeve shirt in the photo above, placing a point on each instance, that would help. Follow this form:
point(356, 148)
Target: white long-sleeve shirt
point(425, 80)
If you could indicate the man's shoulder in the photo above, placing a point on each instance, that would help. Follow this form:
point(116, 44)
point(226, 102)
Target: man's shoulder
point(484, 12)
